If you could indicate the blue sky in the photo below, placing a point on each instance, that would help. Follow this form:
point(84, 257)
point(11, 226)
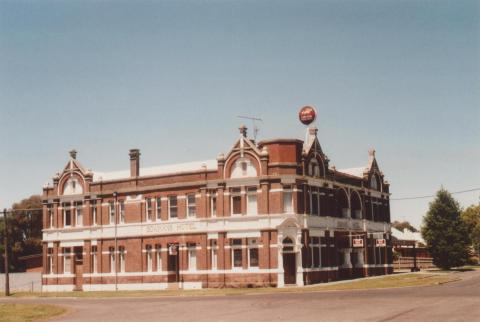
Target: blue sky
point(170, 77)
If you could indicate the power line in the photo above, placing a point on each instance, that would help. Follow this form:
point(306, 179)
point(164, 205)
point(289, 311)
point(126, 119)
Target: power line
point(431, 196)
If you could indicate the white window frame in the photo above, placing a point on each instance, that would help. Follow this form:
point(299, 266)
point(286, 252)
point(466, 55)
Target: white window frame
point(149, 209)
point(252, 193)
point(158, 208)
point(50, 260)
point(191, 213)
point(67, 257)
point(94, 256)
point(213, 206)
point(50, 215)
point(158, 250)
point(214, 255)
point(192, 258)
point(121, 210)
point(288, 208)
point(170, 207)
point(93, 206)
point(111, 213)
point(65, 209)
point(121, 258)
point(234, 194)
point(113, 260)
point(79, 215)
point(253, 244)
point(237, 247)
point(149, 258)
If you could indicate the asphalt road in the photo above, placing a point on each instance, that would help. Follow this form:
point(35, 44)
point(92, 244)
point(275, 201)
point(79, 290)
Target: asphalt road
point(458, 301)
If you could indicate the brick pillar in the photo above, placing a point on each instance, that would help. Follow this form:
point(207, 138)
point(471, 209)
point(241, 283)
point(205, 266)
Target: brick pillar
point(58, 215)
point(87, 213)
point(263, 205)
point(202, 204)
point(220, 202)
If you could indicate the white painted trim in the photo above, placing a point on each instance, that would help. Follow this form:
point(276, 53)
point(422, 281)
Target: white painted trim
point(244, 234)
point(58, 288)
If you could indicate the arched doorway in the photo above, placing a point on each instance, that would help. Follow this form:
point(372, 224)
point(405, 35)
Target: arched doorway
point(289, 261)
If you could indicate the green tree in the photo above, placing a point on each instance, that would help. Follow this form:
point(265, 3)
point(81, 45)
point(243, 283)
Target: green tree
point(24, 231)
point(402, 225)
point(471, 216)
point(445, 233)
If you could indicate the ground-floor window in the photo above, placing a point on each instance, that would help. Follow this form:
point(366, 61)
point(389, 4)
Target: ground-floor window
point(111, 252)
point(158, 249)
point(149, 258)
point(315, 251)
point(67, 260)
point(49, 269)
point(323, 252)
point(237, 253)
point(192, 257)
point(121, 257)
point(213, 254)
point(253, 252)
point(93, 262)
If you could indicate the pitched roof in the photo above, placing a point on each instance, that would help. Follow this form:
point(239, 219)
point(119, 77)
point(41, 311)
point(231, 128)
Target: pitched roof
point(356, 172)
point(159, 170)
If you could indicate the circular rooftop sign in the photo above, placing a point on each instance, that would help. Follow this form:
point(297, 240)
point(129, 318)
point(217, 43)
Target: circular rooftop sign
point(307, 114)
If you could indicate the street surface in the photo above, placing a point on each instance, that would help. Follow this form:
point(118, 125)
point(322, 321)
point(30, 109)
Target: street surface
point(457, 301)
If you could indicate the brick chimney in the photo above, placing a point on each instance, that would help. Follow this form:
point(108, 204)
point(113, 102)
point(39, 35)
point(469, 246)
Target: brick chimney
point(134, 162)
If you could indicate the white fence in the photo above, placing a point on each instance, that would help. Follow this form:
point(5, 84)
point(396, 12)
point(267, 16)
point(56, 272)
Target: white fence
point(22, 282)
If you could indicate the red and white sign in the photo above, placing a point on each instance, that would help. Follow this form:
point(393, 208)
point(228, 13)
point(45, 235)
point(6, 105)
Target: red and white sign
point(381, 242)
point(357, 242)
point(172, 250)
point(307, 114)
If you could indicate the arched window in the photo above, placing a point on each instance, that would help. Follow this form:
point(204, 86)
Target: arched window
point(242, 168)
point(72, 187)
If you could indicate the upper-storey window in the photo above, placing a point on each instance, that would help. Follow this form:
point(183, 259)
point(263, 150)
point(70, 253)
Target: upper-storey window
point(72, 187)
point(122, 211)
point(158, 203)
point(236, 201)
point(374, 182)
point(287, 199)
point(79, 214)
point(67, 214)
point(94, 212)
point(50, 216)
point(213, 205)
point(313, 168)
point(172, 207)
point(191, 206)
point(252, 201)
point(242, 168)
point(111, 212)
point(149, 209)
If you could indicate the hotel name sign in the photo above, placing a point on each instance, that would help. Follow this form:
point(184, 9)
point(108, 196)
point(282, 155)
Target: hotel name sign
point(171, 228)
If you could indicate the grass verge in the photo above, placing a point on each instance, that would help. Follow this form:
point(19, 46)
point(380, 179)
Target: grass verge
point(13, 312)
point(388, 281)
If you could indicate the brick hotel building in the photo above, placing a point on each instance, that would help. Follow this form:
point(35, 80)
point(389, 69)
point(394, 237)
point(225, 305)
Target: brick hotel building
point(270, 213)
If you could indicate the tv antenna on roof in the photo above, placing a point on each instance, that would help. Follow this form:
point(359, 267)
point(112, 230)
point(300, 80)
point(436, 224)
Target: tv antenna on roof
point(254, 120)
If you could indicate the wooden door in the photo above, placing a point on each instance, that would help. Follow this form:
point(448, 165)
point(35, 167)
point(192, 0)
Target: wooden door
point(289, 268)
point(78, 262)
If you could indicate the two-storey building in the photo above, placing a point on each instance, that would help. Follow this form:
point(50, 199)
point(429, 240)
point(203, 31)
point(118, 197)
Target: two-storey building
point(264, 214)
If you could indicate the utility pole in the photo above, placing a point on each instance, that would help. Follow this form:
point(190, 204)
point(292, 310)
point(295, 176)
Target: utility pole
point(116, 241)
point(5, 244)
